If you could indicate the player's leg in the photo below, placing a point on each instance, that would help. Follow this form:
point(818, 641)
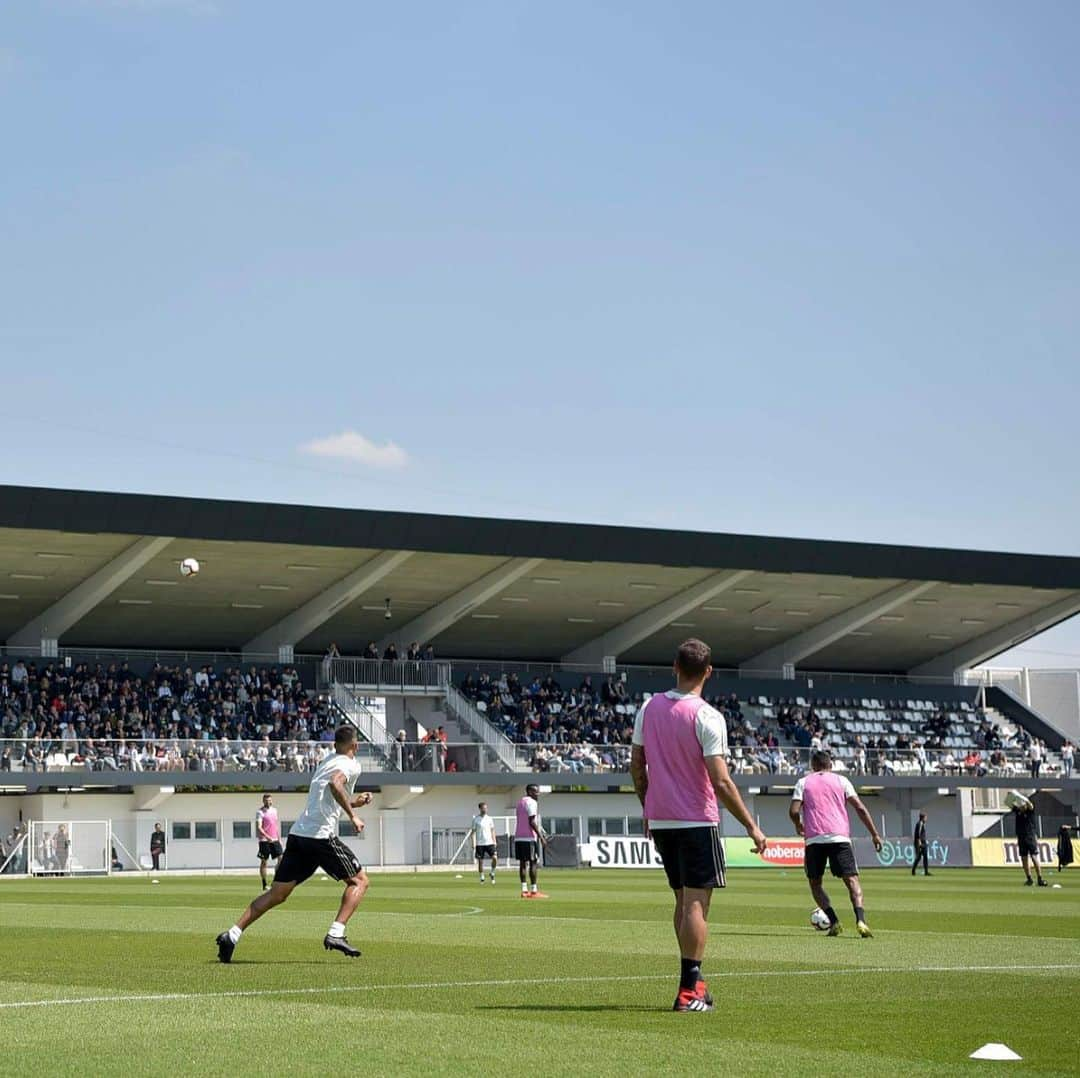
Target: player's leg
point(1024, 859)
point(264, 856)
point(227, 941)
point(340, 863)
point(494, 862)
point(694, 862)
point(534, 870)
point(1038, 867)
point(480, 863)
point(856, 895)
point(815, 860)
point(523, 868)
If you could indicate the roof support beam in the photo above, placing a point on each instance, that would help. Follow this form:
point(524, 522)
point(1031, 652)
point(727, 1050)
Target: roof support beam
point(424, 628)
point(53, 622)
point(998, 640)
point(641, 626)
point(306, 619)
point(774, 660)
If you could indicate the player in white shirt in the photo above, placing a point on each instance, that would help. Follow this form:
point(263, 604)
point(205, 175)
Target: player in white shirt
point(313, 843)
point(483, 838)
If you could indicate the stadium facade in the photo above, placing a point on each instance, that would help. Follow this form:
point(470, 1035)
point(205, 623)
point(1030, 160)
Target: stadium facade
point(879, 638)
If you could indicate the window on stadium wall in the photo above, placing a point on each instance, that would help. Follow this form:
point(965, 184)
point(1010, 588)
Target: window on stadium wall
point(608, 825)
point(241, 829)
point(181, 830)
point(561, 825)
point(206, 829)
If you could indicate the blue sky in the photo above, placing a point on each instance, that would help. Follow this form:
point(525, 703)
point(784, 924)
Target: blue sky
point(798, 270)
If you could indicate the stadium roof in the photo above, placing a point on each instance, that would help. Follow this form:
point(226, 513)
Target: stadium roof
point(100, 570)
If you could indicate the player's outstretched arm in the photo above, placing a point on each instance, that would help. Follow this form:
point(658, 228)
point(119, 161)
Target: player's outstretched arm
point(867, 819)
point(728, 793)
point(360, 800)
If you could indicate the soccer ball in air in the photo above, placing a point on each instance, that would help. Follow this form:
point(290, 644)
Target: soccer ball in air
point(189, 567)
point(819, 919)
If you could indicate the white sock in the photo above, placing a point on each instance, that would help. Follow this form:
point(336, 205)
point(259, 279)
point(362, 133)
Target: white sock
point(524, 888)
point(337, 930)
point(535, 888)
point(481, 877)
point(235, 933)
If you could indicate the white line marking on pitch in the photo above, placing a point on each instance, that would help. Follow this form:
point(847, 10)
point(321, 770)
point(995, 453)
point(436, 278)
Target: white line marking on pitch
point(162, 997)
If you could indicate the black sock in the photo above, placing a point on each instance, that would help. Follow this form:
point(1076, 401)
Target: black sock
point(690, 973)
point(831, 914)
point(860, 913)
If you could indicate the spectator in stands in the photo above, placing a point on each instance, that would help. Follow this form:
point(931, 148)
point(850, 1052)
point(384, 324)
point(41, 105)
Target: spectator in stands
point(1067, 753)
point(390, 655)
point(920, 757)
point(371, 651)
point(1035, 757)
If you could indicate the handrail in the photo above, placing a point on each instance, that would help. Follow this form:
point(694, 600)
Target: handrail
point(469, 716)
point(396, 675)
point(301, 757)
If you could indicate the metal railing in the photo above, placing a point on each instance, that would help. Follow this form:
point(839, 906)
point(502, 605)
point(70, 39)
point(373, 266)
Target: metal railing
point(465, 712)
point(301, 757)
point(386, 675)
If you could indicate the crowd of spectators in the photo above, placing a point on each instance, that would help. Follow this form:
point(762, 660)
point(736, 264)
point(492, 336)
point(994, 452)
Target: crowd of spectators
point(575, 728)
point(178, 718)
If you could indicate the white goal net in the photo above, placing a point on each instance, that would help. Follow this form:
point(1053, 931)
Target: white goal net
point(69, 847)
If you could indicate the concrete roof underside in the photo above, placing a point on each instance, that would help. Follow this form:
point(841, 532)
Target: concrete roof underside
point(261, 562)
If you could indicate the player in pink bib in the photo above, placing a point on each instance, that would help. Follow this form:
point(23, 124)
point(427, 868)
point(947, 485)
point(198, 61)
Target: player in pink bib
point(819, 805)
point(680, 774)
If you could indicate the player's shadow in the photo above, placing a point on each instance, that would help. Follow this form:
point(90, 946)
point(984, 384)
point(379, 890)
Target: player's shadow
point(583, 1007)
point(269, 962)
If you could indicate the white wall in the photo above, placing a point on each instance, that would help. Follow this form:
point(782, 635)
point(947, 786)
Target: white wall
point(399, 823)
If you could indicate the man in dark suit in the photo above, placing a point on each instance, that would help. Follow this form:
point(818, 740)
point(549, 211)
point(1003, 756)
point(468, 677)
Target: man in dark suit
point(157, 846)
point(921, 849)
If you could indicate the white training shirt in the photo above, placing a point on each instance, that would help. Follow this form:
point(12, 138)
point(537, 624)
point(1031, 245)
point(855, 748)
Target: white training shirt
point(321, 814)
point(483, 829)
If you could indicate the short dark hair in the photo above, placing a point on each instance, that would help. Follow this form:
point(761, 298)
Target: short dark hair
point(693, 658)
point(821, 759)
point(532, 786)
point(344, 736)
point(483, 804)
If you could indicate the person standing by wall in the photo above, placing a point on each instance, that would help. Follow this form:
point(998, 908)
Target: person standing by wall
point(921, 848)
point(157, 846)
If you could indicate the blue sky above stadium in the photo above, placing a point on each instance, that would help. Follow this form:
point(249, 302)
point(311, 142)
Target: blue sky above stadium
point(783, 271)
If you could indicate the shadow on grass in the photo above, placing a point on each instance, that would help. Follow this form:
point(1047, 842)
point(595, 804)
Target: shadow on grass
point(588, 1008)
point(268, 962)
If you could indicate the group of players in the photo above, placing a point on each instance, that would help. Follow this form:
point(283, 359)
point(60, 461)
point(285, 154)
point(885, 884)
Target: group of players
point(681, 777)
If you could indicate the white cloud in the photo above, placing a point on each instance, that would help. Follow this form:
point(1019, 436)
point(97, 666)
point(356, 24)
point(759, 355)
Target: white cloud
point(355, 447)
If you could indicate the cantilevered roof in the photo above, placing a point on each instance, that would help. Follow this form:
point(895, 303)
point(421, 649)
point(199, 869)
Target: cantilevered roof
point(491, 588)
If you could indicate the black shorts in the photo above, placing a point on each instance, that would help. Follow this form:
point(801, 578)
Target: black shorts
point(484, 851)
point(269, 848)
point(526, 850)
point(1028, 846)
point(692, 856)
point(304, 855)
point(839, 856)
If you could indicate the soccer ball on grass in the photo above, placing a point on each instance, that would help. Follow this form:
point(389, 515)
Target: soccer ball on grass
point(819, 919)
point(189, 567)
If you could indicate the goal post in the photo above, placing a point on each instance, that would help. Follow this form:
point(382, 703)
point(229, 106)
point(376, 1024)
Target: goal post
point(69, 848)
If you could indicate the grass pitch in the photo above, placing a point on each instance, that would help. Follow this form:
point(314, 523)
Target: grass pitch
point(460, 978)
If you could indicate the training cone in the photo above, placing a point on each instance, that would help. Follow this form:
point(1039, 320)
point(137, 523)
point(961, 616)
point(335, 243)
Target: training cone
point(994, 1051)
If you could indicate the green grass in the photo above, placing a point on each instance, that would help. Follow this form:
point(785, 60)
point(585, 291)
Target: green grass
point(578, 984)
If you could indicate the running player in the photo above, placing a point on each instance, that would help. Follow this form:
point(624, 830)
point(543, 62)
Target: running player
point(679, 771)
point(819, 812)
point(268, 832)
point(528, 838)
point(483, 836)
point(313, 843)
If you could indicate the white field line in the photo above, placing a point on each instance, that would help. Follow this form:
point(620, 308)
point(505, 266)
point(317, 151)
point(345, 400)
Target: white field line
point(246, 993)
